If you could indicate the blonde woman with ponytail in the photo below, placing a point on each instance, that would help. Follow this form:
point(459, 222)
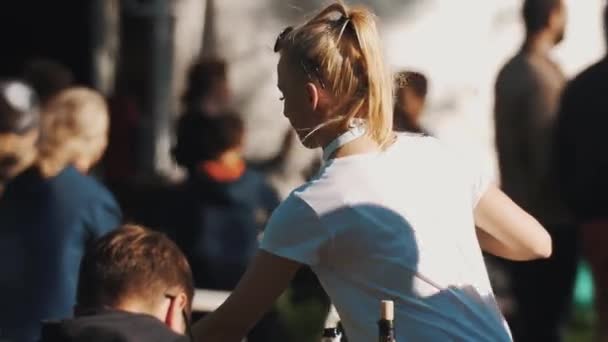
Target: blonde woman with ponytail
point(387, 216)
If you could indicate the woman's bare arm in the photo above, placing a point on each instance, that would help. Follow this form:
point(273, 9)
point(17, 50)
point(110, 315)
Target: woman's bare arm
point(266, 278)
point(506, 230)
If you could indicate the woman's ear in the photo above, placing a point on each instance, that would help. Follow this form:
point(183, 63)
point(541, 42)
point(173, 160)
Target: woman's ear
point(312, 93)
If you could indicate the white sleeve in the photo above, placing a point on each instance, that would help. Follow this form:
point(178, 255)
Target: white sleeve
point(480, 182)
point(474, 173)
point(295, 232)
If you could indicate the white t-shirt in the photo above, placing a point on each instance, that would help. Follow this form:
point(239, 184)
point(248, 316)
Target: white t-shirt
point(394, 225)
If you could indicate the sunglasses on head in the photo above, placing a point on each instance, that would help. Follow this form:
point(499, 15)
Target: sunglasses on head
point(310, 69)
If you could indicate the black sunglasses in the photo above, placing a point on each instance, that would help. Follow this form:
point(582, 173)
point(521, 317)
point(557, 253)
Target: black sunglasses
point(308, 66)
point(185, 316)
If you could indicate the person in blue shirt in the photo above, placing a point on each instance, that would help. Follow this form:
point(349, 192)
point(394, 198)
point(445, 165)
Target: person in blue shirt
point(225, 203)
point(51, 212)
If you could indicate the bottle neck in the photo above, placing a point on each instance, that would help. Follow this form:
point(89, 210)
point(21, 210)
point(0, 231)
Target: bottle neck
point(386, 331)
point(331, 335)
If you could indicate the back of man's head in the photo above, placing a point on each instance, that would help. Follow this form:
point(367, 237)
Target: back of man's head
point(537, 13)
point(134, 267)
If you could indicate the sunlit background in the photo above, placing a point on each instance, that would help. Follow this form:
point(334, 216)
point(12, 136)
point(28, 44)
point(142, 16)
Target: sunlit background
point(146, 46)
point(459, 45)
point(143, 49)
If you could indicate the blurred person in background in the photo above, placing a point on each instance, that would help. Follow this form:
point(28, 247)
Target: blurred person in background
point(120, 160)
point(134, 285)
point(208, 93)
point(19, 122)
point(527, 94)
point(50, 212)
point(47, 77)
point(231, 201)
point(583, 169)
point(410, 89)
point(224, 204)
point(207, 90)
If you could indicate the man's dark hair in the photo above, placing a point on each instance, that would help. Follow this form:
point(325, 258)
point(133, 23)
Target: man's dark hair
point(132, 262)
point(413, 80)
point(18, 108)
point(536, 13)
point(201, 138)
point(47, 77)
point(202, 77)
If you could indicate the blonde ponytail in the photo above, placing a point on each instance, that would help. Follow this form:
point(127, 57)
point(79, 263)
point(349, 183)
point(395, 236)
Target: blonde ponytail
point(341, 47)
point(379, 89)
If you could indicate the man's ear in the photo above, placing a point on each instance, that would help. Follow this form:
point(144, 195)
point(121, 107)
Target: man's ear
point(312, 93)
point(174, 318)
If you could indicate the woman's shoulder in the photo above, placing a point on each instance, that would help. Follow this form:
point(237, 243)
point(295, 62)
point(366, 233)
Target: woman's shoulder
point(416, 138)
point(294, 207)
point(293, 211)
point(295, 231)
point(418, 143)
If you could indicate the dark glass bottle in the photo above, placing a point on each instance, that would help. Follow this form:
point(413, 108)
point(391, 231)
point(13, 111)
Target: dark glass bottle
point(331, 335)
point(386, 326)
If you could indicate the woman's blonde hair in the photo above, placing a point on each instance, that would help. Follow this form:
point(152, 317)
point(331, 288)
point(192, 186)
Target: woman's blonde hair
point(340, 49)
point(74, 126)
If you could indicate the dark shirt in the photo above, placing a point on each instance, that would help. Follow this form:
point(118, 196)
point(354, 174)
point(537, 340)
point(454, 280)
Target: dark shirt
point(403, 123)
point(220, 222)
point(582, 162)
point(528, 90)
point(110, 325)
point(45, 225)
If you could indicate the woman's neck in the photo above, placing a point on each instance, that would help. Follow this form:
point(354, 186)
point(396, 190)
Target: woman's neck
point(362, 145)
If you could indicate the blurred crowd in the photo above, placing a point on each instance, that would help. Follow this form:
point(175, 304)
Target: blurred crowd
point(57, 138)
